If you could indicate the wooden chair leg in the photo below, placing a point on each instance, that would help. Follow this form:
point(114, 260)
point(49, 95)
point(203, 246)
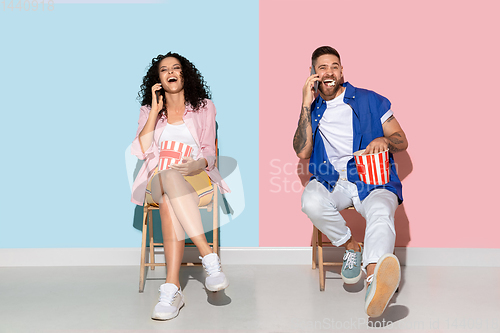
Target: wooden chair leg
point(215, 215)
point(314, 247)
point(143, 249)
point(151, 242)
point(320, 262)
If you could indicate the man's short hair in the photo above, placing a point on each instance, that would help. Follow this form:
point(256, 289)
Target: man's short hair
point(322, 50)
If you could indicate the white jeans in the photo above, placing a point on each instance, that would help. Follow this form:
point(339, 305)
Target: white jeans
point(378, 208)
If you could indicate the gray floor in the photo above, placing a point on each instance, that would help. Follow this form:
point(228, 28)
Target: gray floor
point(259, 299)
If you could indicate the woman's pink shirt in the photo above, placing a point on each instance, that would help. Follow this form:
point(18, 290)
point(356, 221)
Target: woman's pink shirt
point(200, 123)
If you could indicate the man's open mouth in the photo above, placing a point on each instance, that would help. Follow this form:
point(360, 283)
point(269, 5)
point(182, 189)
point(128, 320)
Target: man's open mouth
point(329, 82)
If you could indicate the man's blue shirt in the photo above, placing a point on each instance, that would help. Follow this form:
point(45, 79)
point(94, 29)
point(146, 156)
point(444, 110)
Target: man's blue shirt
point(367, 107)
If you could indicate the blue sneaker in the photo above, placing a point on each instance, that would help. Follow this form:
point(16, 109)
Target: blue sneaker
point(351, 267)
point(382, 285)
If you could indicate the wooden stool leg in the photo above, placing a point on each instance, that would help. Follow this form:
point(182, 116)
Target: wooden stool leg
point(151, 242)
point(320, 262)
point(215, 212)
point(143, 249)
point(314, 247)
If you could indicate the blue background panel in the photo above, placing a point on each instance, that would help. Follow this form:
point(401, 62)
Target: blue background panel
point(69, 82)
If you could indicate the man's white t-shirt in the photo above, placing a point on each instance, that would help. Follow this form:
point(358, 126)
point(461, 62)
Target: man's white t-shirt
point(336, 130)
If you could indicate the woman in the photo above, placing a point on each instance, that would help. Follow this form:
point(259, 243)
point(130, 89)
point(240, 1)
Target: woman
point(176, 107)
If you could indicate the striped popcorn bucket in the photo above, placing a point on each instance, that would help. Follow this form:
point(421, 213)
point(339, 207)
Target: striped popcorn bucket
point(373, 169)
point(172, 152)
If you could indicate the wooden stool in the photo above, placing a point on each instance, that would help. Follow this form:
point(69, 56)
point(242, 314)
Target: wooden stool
point(317, 254)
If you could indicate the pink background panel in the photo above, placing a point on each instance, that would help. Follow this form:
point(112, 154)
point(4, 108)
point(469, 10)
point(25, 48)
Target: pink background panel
point(437, 61)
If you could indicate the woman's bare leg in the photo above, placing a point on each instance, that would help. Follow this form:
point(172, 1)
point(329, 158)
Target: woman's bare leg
point(173, 245)
point(184, 202)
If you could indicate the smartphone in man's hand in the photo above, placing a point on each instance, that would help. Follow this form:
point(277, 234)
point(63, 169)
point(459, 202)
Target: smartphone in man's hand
point(315, 83)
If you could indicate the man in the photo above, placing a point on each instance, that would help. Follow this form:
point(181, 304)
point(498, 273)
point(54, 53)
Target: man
point(343, 119)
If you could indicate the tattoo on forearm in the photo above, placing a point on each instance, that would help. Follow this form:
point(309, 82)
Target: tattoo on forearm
point(300, 138)
point(394, 149)
point(393, 141)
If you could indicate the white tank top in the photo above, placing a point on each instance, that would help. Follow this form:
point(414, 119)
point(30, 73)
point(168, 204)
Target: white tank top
point(179, 133)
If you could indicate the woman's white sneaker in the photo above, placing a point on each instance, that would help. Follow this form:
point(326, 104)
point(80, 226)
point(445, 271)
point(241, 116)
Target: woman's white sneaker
point(170, 301)
point(216, 279)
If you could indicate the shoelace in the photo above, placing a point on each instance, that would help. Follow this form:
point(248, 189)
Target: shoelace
point(350, 258)
point(212, 267)
point(369, 279)
point(167, 298)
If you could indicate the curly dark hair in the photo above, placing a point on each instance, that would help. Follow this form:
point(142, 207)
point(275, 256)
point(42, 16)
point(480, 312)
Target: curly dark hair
point(196, 89)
